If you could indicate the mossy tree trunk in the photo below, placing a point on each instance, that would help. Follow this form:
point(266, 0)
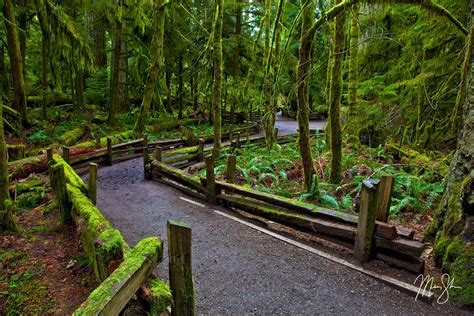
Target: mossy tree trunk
point(335, 99)
point(268, 116)
point(180, 87)
point(353, 69)
point(6, 216)
point(158, 39)
point(453, 224)
point(217, 84)
point(303, 106)
point(42, 16)
point(19, 88)
point(115, 70)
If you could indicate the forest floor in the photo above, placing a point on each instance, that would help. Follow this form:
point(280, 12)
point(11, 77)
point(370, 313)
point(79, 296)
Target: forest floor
point(43, 270)
point(240, 270)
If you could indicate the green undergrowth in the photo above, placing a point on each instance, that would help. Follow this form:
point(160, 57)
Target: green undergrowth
point(29, 193)
point(279, 171)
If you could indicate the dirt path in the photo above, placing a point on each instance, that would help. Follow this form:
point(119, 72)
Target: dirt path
point(238, 269)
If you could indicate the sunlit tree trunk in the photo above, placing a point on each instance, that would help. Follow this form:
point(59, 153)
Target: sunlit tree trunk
point(353, 66)
point(19, 99)
point(303, 107)
point(158, 38)
point(114, 103)
point(217, 84)
point(42, 16)
point(335, 100)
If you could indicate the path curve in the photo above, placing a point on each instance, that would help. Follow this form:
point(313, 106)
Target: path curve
point(240, 270)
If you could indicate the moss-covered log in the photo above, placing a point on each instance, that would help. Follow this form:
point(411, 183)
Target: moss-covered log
point(16, 152)
point(116, 291)
point(22, 168)
point(71, 176)
point(116, 138)
point(103, 245)
point(162, 169)
point(71, 137)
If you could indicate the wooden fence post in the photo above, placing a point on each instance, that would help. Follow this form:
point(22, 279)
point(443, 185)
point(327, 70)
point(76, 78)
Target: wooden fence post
point(92, 183)
point(97, 141)
point(231, 168)
point(158, 153)
point(66, 154)
point(237, 144)
point(201, 150)
point(49, 159)
point(384, 197)
point(211, 180)
point(109, 151)
point(180, 268)
point(146, 159)
point(59, 185)
point(366, 224)
point(276, 133)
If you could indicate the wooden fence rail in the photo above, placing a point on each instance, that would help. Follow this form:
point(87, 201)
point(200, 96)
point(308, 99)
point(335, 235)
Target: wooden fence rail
point(387, 242)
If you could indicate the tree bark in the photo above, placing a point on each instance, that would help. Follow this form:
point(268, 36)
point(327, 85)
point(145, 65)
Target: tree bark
point(353, 67)
point(335, 100)
point(19, 88)
point(180, 87)
point(6, 216)
point(114, 105)
point(158, 39)
point(3, 70)
point(217, 84)
point(453, 223)
point(303, 107)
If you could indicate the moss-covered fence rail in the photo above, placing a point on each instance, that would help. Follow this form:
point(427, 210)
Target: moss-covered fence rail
point(122, 271)
point(392, 244)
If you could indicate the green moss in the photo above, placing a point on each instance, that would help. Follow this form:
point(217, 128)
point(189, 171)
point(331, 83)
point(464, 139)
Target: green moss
point(71, 176)
point(147, 249)
point(51, 207)
point(116, 138)
point(161, 296)
point(451, 253)
point(462, 271)
point(71, 137)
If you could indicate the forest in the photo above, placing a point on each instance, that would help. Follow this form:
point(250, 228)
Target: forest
point(347, 125)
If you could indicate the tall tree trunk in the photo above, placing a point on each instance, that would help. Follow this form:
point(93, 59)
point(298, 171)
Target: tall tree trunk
point(158, 39)
point(42, 16)
point(114, 103)
point(303, 107)
point(6, 216)
point(194, 89)
point(4, 84)
point(168, 75)
point(79, 88)
point(268, 116)
point(19, 88)
point(122, 89)
point(453, 223)
point(335, 100)
point(97, 26)
point(353, 67)
point(180, 87)
point(217, 85)
point(238, 46)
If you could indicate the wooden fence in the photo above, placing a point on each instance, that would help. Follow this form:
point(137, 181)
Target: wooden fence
point(368, 234)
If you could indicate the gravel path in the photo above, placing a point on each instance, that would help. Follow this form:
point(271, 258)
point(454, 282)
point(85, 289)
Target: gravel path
point(239, 270)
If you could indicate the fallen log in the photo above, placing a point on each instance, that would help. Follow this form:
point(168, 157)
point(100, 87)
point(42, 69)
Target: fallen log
point(71, 137)
point(22, 168)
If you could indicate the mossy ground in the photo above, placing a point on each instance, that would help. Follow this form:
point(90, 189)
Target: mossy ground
point(43, 269)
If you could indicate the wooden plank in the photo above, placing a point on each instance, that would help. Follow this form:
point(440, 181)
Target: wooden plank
point(402, 245)
point(384, 198)
point(92, 183)
point(366, 225)
point(301, 222)
point(306, 208)
point(180, 268)
point(66, 154)
point(211, 180)
point(161, 169)
point(109, 151)
point(411, 264)
point(124, 282)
